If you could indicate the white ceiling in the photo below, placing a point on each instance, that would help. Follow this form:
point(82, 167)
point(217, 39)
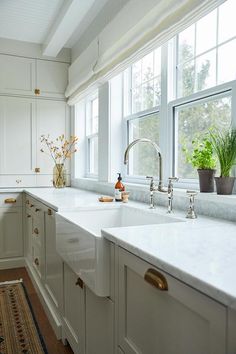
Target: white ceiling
point(28, 20)
point(54, 23)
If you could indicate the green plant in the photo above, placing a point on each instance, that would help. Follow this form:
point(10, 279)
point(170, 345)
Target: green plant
point(224, 145)
point(201, 156)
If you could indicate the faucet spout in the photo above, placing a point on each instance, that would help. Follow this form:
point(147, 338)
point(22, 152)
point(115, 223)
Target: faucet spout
point(158, 151)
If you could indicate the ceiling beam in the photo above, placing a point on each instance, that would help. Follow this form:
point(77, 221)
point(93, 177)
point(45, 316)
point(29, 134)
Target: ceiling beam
point(70, 16)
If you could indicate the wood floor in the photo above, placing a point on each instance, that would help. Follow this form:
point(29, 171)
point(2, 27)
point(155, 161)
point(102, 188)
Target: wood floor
point(54, 346)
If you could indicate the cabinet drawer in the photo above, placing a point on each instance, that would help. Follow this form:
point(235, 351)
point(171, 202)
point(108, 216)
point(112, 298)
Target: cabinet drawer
point(17, 181)
point(10, 199)
point(160, 314)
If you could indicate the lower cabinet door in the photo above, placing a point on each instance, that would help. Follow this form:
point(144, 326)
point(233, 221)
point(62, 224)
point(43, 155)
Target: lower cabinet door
point(99, 324)
point(53, 262)
point(74, 311)
point(179, 320)
point(11, 234)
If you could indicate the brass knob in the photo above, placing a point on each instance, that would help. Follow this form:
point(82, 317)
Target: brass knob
point(28, 216)
point(49, 212)
point(31, 205)
point(37, 210)
point(37, 91)
point(80, 282)
point(36, 261)
point(37, 170)
point(10, 201)
point(36, 231)
point(156, 279)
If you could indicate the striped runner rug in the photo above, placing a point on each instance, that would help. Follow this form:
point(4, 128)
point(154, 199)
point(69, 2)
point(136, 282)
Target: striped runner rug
point(19, 332)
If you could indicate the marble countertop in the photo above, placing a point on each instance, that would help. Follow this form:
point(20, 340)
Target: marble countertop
point(201, 252)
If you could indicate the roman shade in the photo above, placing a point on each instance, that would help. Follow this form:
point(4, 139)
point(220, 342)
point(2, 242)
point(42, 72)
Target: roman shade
point(137, 29)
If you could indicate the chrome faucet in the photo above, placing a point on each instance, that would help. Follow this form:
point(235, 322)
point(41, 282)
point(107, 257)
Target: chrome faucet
point(170, 193)
point(153, 188)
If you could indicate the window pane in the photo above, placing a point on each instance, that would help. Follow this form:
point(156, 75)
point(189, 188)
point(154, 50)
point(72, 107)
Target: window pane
point(198, 119)
point(157, 62)
point(136, 99)
point(147, 67)
point(148, 95)
point(94, 115)
point(136, 74)
point(226, 62)
point(206, 70)
point(186, 79)
point(186, 44)
point(227, 28)
point(206, 33)
point(93, 155)
point(143, 160)
point(157, 91)
point(126, 92)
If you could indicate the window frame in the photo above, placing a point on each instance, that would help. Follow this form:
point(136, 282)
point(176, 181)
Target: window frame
point(91, 136)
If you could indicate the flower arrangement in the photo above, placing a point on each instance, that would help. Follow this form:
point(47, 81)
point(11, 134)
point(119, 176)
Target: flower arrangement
point(59, 151)
point(62, 149)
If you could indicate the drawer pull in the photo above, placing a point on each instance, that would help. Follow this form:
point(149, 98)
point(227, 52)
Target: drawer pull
point(37, 210)
point(36, 231)
point(31, 205)
point(10, 201)
point(28, 216)
point(36, 261)
point(49, 212)
point(156, 279)
point(80, 283)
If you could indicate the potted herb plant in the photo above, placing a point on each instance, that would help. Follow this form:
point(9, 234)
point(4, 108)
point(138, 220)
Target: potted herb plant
point(224, 146)
point(202, 158)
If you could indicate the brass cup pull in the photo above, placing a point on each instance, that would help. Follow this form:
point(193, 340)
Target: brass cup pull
point(28, 216)
point(36, 231)
point(31, 205)
point(37, 210)
point(10, 201)
point(80, 283)
point(36, 261)
point(156, 279)
point(49, 212)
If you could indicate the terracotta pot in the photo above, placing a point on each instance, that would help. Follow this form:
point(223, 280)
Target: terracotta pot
point(224, 185)
point(206, 180)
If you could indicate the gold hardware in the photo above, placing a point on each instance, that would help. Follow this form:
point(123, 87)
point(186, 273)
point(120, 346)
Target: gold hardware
point(36, 210)
point(10, 201)
point(31, 205)
point(49, 212)
point(80, 283)
point(37, 169)
point(156, 279)
point(36, 261)
point(37, 91)
point(28, 216)
point(36, 231)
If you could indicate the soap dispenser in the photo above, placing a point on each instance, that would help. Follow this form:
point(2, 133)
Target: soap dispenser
point(119, 188)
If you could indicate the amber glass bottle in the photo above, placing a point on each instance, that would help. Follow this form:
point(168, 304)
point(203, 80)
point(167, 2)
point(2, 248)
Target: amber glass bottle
point(119, 188)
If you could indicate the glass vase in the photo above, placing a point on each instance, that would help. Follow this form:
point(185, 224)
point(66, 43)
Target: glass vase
point(59, 175)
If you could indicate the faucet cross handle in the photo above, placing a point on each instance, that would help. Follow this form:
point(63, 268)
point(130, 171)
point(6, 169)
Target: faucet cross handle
point(173, 179)
point(151, 182)
point(191, 212)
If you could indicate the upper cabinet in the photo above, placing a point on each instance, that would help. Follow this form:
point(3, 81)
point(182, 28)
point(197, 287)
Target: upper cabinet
point(17, 75)
point(51, 78)
point(34, 77)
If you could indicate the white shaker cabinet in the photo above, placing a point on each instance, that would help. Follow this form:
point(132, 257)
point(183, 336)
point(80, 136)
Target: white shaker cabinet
point(17, 136)
point(74, 311)
point(52, 119)
point(179, 320)
point(17, 75)
point(11, 233)
point(99, 324)
point(51, 78)
point(53, 263)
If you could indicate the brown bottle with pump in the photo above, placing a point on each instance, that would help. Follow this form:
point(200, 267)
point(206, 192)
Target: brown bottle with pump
point(119, 188)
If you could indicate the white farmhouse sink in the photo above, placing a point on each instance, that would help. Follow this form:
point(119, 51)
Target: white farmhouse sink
point(80, 243)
